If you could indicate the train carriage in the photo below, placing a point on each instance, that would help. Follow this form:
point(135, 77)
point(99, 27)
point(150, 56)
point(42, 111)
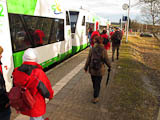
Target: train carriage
point(39, 24)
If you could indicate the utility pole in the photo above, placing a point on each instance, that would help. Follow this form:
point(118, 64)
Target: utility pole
point(129, 6)
point(121, 22)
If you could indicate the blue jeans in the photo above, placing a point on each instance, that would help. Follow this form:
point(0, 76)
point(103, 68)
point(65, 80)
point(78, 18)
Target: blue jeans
point(5, 115)
point(36, 118)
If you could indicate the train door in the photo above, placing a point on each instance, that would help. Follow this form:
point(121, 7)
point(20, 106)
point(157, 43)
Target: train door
point(74, 15)
point(83, 38)
point(89, 27)
point(5, 42)
point(68, 43)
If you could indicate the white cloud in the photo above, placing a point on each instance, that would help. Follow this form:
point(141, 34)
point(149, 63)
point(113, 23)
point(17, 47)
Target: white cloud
point(111, 9)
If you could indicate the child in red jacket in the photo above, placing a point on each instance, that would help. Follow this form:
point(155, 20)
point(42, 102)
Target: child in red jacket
point(39, 86)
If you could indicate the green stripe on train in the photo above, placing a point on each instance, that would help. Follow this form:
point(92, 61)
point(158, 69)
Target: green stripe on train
point(17, 57)
point(76, 49)
point(83, 46)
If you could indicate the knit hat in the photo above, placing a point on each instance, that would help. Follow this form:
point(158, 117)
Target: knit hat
point(30, 55)
point(1, 50)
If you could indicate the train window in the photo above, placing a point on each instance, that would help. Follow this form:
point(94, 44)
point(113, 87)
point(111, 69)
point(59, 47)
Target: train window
point(32, 31)
point(45, 29)
point(67, 19)
point(83, 21)
point(57, 31)
point(60, 30)
point(40, 27)
point(19, 36)
point(52, 38)
point(73, 19)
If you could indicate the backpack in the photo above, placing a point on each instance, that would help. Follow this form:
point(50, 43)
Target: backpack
point(96, 58)
point(21, 99)
point(117, 37)
point(20, 96)
point(105, 41)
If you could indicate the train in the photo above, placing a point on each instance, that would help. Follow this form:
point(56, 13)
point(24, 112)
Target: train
point(55, 32)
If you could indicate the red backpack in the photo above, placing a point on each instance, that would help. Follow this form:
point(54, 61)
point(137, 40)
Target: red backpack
point(20, 97)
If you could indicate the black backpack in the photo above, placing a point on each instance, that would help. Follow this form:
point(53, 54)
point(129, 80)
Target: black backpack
point(105, 41)
point(96, 58)
point(117, 37)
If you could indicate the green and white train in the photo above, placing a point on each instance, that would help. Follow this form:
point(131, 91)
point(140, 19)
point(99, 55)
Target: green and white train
point(63, 32)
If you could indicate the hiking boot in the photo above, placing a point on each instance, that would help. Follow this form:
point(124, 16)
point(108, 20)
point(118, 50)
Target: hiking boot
point(117, 58)
point(95, 100)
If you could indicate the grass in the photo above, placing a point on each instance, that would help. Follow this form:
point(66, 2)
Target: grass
point(129, 100)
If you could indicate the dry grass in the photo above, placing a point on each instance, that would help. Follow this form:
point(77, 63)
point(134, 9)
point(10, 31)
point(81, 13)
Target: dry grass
point(131, 98)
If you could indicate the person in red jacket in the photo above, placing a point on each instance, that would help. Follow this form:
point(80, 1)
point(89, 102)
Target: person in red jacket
point(94, 34)
point(105, 40)
point(5, 111)
point(39, 86)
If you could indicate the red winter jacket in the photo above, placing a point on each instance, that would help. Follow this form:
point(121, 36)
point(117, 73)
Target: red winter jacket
point(35, 74)
point(108, 45)
point(94, 34)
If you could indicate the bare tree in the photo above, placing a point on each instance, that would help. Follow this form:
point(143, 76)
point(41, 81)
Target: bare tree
point(135, 26)
point(151, 14)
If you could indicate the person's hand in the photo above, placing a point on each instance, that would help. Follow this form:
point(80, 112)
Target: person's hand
point(50, 99)
point(7, 105)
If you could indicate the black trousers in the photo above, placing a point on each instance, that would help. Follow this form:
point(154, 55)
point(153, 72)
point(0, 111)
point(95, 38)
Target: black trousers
point(113, 51)
point(96, 80)
point(5, 115)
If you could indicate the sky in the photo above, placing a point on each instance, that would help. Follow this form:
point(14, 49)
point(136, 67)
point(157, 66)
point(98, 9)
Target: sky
point(110, 9)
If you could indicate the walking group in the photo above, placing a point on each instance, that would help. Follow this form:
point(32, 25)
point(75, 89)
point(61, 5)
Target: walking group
point(31, 85)
point(98, 56)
